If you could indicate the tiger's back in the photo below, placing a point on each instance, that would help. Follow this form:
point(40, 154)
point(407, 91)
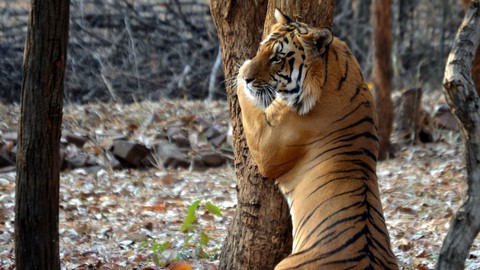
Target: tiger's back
point(317, 136)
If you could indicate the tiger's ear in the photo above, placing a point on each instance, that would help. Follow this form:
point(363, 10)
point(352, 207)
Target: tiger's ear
point(317, 40)
point(282, 18)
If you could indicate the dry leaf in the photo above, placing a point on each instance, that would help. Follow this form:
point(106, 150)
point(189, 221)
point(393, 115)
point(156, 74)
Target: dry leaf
point(181, 265)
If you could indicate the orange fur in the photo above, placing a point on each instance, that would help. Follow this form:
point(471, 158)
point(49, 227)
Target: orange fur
point(323, 158)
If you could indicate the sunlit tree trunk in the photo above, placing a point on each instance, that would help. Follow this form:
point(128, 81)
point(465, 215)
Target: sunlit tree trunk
point(464, 100)
point(38, 158)
point(260, 234)
point(382, 72)
point(476, 62)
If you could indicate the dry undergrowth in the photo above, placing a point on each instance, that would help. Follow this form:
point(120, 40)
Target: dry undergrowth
point(105, 216)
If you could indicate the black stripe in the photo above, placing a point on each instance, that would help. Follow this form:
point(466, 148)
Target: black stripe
point(361, 152)
point(328, 254)
point(291, 63)
point(348, 177)
point(357, 92)
point(303, 221)
point(326, 66)
point(361, 164)
point(286, 78)
point(366, 134)
point(318, 226)
point(344, 76)
point(329, 150)
point(367, 104)
point(365, 119)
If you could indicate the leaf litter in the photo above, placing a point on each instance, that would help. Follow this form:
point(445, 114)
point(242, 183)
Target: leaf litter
point(106, 217)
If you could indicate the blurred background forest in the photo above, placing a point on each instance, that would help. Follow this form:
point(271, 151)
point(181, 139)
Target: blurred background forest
point(125, 51)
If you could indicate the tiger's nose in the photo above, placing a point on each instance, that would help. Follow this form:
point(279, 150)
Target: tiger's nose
point(248, 79)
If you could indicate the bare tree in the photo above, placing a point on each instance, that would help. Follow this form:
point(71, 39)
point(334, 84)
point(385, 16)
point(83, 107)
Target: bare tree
point(260, 234)
point(464, 100)
point(38, 158)
point(382, 72)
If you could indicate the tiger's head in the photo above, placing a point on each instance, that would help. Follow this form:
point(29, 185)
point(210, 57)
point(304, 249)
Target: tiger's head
point(285, 65)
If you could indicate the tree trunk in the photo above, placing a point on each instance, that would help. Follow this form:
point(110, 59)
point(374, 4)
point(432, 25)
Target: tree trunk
point(408, 115)
point(317, 13)
point(406, 9)
point(38, 158)
point(476, 62)
point(382, 72)
point(260, 234)
point(261, 224)
point(359, 33)
point(464, 100)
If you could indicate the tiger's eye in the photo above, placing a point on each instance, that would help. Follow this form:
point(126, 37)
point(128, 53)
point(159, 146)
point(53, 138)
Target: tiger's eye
point(276, 59)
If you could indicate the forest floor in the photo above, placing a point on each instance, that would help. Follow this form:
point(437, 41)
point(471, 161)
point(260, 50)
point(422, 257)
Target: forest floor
point(131, 219)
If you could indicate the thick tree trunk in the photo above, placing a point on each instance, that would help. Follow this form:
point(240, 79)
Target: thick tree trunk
point(260, 234)
point(464, 100)
point(317, 13)
point(38, 158)
point(382, 72)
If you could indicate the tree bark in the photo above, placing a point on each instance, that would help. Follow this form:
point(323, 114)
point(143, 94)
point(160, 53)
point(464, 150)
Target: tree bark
point(476, 62)
point(38, 158)
point(464, 102)
point(408, 115)
point(317, 13)
point(261, 224)
point(260, 234)
point(382, 72)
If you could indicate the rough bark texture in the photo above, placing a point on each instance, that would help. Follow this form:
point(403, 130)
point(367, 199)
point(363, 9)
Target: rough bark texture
point(408, 115)
point(318, 13)
point(261, 224)
point(382, 72)
point(464, 100)
point(476, 62)
point(260, 234)
point(37, 186)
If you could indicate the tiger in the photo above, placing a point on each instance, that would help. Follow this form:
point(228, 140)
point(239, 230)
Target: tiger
point(310, 123)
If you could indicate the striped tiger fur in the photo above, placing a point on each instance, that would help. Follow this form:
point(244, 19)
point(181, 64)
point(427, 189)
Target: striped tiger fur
point(310, 122)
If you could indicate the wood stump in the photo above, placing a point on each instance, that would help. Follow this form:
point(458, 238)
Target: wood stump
point(411, 120)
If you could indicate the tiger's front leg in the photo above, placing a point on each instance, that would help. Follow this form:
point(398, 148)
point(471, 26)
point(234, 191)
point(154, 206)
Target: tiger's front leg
point(268, 138)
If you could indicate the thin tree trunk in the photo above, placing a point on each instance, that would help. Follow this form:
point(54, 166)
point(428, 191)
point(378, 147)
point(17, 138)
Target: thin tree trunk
point(260, 234)
point(476, 62)
point(464, 100)
point(38, 158)
point(382, 72)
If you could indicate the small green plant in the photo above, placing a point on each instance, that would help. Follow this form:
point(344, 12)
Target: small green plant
point(196, 242)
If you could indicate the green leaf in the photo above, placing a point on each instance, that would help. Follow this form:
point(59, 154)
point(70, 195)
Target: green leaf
point(156, 260)
point(186, 243)
point(143, 244)
point(190, 217)
point(204, 239)
point(213, 209)
point(202, 254)
point(163, 247)
point(155, 247)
